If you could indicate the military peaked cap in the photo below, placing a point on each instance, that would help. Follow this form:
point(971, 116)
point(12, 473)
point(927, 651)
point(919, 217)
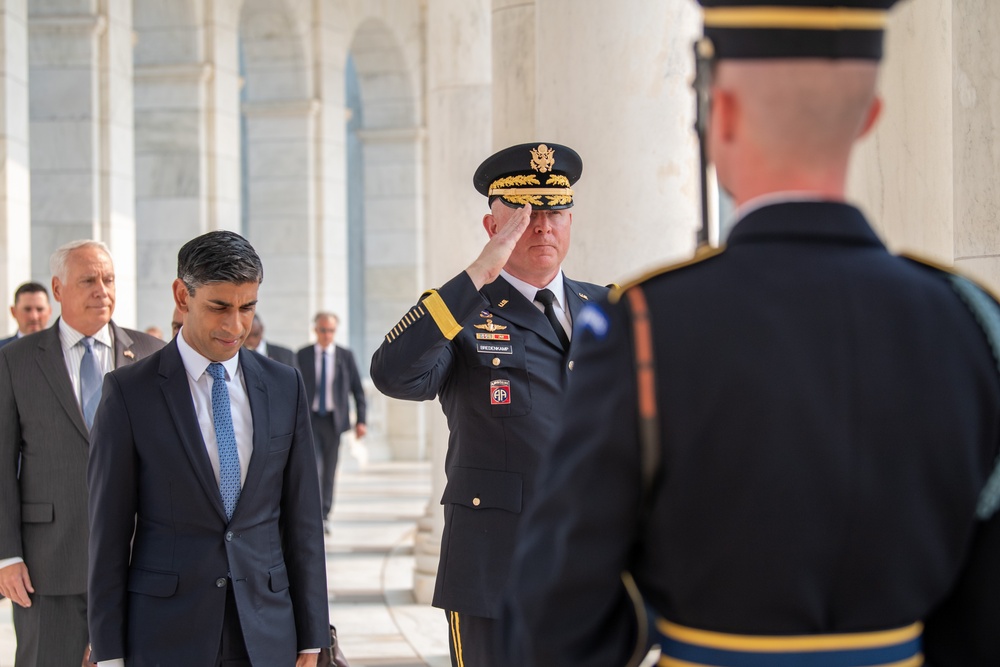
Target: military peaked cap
point(743, 29)
point(540, 174)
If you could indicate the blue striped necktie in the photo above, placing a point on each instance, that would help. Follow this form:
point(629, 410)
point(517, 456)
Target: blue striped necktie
point(229, 456)
point(90, 381)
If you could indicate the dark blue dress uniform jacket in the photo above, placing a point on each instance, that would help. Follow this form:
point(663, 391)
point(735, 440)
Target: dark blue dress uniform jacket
point(501, 392)
point(828, 416)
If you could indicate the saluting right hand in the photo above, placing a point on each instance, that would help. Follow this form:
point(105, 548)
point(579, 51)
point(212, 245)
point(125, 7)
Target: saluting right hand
point(16, 584)
point(505, 225)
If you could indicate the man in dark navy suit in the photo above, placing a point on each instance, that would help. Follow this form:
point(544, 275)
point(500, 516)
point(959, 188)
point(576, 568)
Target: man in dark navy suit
point(31, 310)
point(206, 537)
point(814, 417)
point(494, 344)
point(331, 376)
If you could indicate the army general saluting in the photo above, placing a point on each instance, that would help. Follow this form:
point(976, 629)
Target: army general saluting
point(820, 415)
point(494, 344)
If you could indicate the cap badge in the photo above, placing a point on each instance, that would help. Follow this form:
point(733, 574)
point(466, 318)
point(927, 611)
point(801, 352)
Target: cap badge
point(542, 158)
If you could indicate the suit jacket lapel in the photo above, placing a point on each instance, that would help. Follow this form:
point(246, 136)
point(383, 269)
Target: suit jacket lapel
point(177, 394)
point(52, 363)
point(576, 299)
point(123, 346)
point(260, 410)
point(518, 310)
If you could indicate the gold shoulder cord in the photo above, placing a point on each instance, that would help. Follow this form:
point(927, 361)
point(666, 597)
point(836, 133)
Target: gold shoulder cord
point(649, 443)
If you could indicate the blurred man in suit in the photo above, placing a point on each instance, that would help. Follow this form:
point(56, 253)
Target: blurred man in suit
point(31, 309)
point(50, 383)
point(331, 375)
point(255, 341)
point(207, 543)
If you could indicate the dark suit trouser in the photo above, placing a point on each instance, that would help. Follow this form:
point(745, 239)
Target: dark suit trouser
point(232, 647)
point(52, 632)
point(473, 642)
point(326, 437)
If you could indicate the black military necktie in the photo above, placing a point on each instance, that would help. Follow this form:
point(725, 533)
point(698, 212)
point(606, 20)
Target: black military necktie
point(546, 297)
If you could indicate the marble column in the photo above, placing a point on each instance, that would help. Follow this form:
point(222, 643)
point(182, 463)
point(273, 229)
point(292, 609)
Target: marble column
point(187, 138)
point(626, 72)
point(394, 263)
point(15, 204)
point(927, 174)
point(281, 220)
point(81, 126)
point(458, 139)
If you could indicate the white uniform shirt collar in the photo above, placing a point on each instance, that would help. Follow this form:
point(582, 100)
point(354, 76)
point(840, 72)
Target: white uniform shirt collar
point(529, 291)
point(261, 347)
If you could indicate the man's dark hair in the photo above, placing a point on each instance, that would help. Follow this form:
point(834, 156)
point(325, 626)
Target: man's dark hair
point(30, 288)
point(218, 257)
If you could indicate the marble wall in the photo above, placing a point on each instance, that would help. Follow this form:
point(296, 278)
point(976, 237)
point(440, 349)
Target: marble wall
point(927, 174)
point(81, 127)
point(15, 204)
point(563, 69)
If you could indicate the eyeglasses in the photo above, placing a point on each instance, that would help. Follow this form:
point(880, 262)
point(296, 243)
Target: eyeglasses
point(326, 330)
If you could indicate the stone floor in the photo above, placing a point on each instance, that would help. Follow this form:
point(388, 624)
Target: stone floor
point(369, 559)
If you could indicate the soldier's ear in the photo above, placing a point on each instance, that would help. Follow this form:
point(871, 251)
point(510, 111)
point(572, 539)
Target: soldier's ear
point(490, 224)
point(874, 112)
point(725, 113)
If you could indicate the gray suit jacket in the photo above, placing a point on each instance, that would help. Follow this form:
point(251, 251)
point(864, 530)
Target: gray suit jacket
point(43, 510)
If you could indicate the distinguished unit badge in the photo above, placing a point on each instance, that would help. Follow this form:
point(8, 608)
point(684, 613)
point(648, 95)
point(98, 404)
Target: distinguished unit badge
point(500, 392)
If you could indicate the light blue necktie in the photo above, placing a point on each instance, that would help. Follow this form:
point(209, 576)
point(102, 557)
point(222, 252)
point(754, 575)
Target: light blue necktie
point(90, 381)
point(229, 456)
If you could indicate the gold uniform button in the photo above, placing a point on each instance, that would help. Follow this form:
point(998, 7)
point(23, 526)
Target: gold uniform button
point(496, 361)
point(476, 501)
point(571, 364)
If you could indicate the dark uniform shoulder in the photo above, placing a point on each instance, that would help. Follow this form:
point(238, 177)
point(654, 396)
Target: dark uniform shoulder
point(701, 254)
point(947, 271)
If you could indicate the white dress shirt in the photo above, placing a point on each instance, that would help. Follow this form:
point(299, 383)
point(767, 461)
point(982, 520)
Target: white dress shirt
point(73, 352)
point(327, 354)
point(557, 287)
point(201, 392)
